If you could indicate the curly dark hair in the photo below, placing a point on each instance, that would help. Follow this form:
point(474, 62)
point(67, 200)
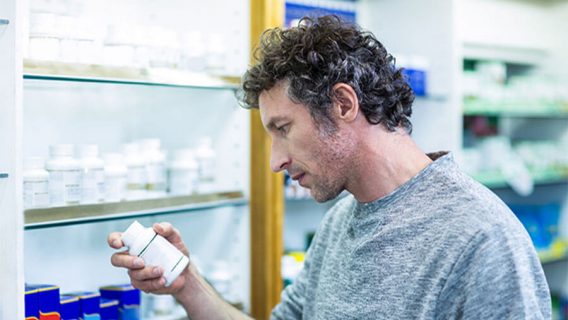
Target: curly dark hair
point(321, 52)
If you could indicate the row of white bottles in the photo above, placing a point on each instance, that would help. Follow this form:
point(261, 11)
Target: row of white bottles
point(140, 172)
point(64, 180)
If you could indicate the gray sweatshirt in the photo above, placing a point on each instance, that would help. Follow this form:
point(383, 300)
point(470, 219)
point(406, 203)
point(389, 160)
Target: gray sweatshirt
point(441, 246)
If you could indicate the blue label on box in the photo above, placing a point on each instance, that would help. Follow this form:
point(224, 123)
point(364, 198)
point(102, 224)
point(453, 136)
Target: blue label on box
point(89, 303)
point(32, 304)
point(48, 300)
point(109, 309)
point(70, 309)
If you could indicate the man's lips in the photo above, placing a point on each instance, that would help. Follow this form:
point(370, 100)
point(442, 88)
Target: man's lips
point(297, 176)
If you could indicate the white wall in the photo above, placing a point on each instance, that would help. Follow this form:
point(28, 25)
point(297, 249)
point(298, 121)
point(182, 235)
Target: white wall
point(425, 28)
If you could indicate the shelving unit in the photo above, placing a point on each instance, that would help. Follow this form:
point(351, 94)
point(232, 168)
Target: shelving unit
point(51, 102)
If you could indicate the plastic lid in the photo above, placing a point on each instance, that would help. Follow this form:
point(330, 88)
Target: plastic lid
point(111, 159)
point(150, 144)
point(131, 149)
point(33, 163)
point(184, 154)
point(61, 150)
point(134, 231)
point(205, 149)
point(88, 151)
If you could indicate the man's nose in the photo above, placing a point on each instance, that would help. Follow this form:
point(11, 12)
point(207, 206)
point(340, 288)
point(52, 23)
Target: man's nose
point(279, 159)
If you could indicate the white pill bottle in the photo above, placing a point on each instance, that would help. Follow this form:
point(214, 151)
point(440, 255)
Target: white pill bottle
point(155, 250)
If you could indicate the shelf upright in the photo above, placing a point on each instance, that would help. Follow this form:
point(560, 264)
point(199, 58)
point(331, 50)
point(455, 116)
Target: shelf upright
point(11, 221)
point(267, 194)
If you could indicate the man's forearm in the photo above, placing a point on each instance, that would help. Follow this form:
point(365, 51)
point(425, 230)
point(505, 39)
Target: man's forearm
point(200, 300)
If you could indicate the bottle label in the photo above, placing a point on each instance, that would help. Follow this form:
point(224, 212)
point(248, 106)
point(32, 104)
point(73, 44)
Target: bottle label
point(36, 194)
point(93, 186)
point(64, 187)
point(115, 188)
point(159, 252)
point(156, 174)
point(183, 181)
point(100, 180)
point(206, 170)
point(136, 177)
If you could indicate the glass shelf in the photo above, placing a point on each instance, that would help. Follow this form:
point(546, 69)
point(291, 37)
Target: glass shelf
point(496, 180)
point(59, 71)
point(474, 107)
point(87, 213)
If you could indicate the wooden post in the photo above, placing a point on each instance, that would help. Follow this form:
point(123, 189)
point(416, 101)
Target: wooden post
point(266, 196)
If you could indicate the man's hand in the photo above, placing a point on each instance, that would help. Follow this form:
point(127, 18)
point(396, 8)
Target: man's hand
point(149, 278)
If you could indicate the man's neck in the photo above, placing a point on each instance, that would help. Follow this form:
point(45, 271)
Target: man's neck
point(384, 164)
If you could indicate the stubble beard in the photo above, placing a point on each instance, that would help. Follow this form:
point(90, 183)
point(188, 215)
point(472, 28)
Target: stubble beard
point(333, 156)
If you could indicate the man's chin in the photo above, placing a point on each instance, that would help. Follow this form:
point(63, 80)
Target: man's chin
point(321, 198)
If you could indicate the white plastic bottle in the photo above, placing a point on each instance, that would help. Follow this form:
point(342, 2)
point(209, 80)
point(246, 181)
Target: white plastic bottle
point(36, 183)
point(92, 168)
point(64, 176)
point(184, 173)
point(155, 167)
point(136, 166)
point(115, 177)
point(155, 250)
point(206, 159)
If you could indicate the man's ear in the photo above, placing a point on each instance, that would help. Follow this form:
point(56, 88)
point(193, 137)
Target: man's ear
point(345, 102)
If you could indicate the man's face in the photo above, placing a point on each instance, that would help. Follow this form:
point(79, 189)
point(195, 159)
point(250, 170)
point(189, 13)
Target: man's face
point(317, 159)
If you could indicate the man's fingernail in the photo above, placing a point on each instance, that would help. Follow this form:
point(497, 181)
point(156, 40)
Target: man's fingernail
point(157, 271)
point(138, 262)
point(116, 243)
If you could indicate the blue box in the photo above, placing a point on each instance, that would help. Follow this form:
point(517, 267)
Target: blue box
point(48, 301)
point(32, 303)
point(89, 303)
point(128, 297)
point(70, 308)
point(109, 309)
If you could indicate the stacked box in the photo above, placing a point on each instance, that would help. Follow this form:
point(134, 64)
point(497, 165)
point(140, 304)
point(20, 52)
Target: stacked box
point(128, 297)
point(32, 304)
point(109, 309)
point(48, 301)
point(70, 309)
point(89, 304)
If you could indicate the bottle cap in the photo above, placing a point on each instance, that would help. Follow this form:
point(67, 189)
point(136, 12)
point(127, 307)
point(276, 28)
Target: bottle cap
point(131, 149)
point(61, 150)
point(150, 144)
point(33, 163)
point(134, 231)
point(113, 159)
point(88, 151)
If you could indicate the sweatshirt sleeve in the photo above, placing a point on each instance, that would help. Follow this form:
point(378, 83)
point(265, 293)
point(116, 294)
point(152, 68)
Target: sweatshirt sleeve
point(496, 277)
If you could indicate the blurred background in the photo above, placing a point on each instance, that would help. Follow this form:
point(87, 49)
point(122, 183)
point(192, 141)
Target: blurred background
point(150, 86)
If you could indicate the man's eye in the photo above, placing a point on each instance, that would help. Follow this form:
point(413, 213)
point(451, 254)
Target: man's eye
point(282, 129)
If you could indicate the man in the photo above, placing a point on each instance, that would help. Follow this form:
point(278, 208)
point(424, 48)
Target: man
point(417, 239)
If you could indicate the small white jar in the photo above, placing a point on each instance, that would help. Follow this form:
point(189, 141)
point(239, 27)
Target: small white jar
point(36, 183)
point(64, 176)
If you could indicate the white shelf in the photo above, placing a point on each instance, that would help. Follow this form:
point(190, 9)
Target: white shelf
point(526, 56)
